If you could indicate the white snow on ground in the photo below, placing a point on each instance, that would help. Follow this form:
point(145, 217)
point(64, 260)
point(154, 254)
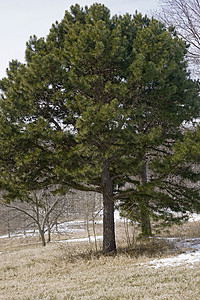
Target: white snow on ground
point(75, 222)
point(189, 257)
point(117, 216)
point(19, 234)
point(67, 227)
point(92, 239)
point(194, 218)
point(184, 258)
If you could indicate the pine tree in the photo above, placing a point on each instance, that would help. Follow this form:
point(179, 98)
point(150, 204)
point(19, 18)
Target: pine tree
point(93, 99)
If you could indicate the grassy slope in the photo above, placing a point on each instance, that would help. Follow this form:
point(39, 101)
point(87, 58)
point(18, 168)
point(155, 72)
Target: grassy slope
point(73, 271)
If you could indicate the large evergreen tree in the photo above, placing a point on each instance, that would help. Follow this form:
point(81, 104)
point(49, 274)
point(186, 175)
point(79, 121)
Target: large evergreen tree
point(93, 99)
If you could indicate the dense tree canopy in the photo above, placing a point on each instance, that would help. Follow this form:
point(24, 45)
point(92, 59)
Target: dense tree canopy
point(93, 99)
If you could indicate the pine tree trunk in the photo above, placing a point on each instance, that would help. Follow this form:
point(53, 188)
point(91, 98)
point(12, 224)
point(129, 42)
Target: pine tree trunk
point(109, 244)
point(145, 218)
point(145, 222)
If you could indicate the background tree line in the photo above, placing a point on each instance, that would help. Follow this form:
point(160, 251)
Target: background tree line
point(184, 16)
point(48, 214)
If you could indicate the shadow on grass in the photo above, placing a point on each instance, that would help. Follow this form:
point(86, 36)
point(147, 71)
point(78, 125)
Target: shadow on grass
point(150, 248)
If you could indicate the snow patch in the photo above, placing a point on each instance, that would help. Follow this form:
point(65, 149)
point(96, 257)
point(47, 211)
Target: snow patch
point(185, 258)
point(92, 239)
point(190, 257)
point(117, 216)
point(194, 218)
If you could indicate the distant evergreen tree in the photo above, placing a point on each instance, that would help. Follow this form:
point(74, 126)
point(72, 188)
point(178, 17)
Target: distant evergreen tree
point(94, 99)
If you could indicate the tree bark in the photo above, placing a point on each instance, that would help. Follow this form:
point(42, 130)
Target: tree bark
point(145, 222)
point(109, 244)
point(145, 218)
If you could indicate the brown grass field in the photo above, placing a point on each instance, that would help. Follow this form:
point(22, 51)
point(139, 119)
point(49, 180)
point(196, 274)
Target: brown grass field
point(77, 271)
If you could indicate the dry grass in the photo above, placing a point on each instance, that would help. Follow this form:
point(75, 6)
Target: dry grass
point(187, 230)
point(75, 271)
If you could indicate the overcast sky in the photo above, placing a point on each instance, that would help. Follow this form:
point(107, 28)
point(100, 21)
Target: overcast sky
point(19, 19)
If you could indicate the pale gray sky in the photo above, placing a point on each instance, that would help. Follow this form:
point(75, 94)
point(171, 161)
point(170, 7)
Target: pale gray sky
point(19, 19)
